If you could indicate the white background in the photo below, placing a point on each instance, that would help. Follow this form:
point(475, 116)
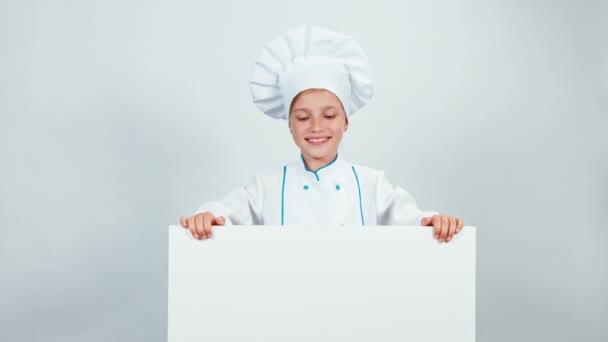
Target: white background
point(117, 117)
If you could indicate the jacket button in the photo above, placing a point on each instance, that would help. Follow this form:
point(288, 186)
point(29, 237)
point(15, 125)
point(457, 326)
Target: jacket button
point(305, 187)
point(337, 187)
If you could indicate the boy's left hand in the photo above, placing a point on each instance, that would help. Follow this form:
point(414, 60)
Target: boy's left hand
point(445, 226)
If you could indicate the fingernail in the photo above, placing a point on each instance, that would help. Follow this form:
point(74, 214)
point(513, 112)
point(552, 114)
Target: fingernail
point(196, 236)
point(449, 239)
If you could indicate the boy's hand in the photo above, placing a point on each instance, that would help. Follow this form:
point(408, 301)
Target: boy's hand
point(200, 224)
point(445, 226)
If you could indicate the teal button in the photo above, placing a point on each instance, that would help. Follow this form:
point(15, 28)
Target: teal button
point(337, 187)
point(305, 187)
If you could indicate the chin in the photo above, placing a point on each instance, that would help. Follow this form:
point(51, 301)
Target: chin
point(321, 155)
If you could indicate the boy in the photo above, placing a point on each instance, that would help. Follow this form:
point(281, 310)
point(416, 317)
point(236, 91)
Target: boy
point(315, 79)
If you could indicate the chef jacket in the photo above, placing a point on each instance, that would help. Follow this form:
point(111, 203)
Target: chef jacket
point(339, 193)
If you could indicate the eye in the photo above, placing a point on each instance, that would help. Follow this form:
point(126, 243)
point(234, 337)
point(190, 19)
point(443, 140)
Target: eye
point(330, 116)
point(303, 118)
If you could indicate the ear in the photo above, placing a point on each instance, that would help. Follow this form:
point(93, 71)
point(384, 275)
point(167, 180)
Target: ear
point(346, 124)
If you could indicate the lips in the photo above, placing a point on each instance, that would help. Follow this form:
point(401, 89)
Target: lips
point(317, 141)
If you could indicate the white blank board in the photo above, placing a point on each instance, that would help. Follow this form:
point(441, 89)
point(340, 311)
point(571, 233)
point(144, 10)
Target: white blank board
point(264, 283)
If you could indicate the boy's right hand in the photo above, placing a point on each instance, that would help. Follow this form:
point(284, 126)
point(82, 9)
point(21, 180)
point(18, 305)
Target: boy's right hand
point(200, 224)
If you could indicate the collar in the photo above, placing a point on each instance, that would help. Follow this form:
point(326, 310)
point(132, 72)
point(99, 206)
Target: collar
point(327, 170)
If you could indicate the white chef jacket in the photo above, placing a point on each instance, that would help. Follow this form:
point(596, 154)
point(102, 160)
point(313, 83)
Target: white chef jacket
point(339, 193)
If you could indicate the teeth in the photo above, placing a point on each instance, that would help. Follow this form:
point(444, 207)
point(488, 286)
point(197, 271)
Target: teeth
point(317, 140)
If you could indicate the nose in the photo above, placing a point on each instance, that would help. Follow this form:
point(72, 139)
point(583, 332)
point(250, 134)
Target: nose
point(316, 125)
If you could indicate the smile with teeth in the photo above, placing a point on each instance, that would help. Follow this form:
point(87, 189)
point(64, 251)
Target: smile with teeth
point(318, 141)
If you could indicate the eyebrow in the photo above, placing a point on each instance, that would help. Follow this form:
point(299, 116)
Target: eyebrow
point(306, 110)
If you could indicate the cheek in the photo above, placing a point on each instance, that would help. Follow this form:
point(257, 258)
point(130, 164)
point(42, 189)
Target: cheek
point(339, 127)
point(297, 131)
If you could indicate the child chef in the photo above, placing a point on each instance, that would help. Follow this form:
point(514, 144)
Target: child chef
point(316, 79)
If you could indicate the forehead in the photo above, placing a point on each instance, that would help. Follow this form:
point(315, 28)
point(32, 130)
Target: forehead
point(312, 98)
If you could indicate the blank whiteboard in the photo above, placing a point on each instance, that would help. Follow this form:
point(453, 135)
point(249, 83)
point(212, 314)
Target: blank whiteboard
point(293, 283)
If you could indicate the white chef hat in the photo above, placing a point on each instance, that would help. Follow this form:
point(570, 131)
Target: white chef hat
point(311, 57)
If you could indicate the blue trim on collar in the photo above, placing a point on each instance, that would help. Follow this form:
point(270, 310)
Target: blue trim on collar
point(283, 197)
point(360, 202)
point(319, 169)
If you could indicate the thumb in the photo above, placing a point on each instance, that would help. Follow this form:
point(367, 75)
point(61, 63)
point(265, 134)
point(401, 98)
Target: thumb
point(220, 220)
point(426, 220)
point(183, 222)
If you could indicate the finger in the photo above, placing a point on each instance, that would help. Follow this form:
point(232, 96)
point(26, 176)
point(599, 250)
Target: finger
point(199, 226)
point(209, 231)
point(207, 220)
point(451, 229)
point(460, 225)
point(437, 225)
point(183, 222)
point(192, 227)
point(445, 227)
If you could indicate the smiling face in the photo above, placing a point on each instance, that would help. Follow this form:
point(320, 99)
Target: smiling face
point(317, 122)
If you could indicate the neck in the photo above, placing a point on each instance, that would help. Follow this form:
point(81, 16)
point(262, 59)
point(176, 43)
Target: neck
point(315, 164)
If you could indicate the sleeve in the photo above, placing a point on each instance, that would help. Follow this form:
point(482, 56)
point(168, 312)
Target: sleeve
point(395, 206)
point(242, 206)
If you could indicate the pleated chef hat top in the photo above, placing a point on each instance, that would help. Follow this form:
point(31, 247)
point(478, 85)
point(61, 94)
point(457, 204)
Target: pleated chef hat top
point(311, 57)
